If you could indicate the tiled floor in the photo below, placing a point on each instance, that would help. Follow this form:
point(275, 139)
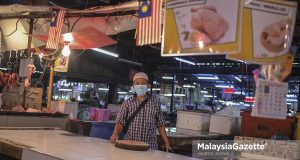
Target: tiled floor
point(54, 145)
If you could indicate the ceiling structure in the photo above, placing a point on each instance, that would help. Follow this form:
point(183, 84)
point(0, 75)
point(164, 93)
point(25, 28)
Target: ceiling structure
point(151, 58)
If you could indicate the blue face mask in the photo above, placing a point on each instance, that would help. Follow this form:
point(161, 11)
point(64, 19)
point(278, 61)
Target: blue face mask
point(140, 90)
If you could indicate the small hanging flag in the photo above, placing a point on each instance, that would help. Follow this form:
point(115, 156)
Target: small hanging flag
point(55, 28)
point(149, 23)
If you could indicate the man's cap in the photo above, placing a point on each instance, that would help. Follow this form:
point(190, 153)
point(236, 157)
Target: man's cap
point(140, 75)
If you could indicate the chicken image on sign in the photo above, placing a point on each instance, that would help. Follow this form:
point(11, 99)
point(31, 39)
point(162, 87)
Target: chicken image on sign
point(203, 27)
point(268, 27)
point(62, 64)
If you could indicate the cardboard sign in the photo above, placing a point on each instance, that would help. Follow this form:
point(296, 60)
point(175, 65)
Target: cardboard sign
point(267, 32)
point(202, 27)
point(61, 64)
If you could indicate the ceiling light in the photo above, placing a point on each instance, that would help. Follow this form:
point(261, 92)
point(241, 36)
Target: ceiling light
point(291, 96)
point(66, 50)
point(179, 95)
point(223, 86)
point(185, 61)
point(4, 69)
point(68, 37)
point(65, 90)
point(175, 95)
point(209, 78)
point(103, 89)
point(130, 62)
point(204, 92)
point(38, 72)
point(155, 89)
point(167, 77)
point(188, 86)
point(106, 52)
point(209, 96)
point(237, 78)
point(292, 100)
point(122, 92)
point(201, 44)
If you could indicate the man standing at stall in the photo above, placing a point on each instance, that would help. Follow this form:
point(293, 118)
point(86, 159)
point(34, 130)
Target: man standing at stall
point(141, 115)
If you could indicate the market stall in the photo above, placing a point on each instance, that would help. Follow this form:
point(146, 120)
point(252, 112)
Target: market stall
point(216, 71)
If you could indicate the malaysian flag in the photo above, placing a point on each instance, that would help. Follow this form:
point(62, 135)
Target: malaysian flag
point(149, 24)
point(55, 28)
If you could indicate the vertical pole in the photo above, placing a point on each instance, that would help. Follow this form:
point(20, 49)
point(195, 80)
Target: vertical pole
point(28, 48)
point(112, 93)
point(298, 110)
point(298, 115)
point(173, 90)
point(50, 88)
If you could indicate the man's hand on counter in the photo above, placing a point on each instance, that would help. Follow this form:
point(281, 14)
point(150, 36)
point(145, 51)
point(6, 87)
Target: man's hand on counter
point(168, 147)
point(114, 137)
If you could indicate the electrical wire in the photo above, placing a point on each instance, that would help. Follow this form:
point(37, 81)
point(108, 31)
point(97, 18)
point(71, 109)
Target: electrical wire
point(15, 29)
point(75, 23)
point(66, 18)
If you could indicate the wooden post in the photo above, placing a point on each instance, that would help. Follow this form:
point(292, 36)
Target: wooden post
point(298, 126)
point(50, 88)
point(28, 49)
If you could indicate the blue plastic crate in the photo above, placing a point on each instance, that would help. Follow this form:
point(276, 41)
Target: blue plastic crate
point(103, 130)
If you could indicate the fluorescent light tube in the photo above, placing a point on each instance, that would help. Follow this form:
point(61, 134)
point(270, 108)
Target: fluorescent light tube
point(185, 61)
point(223, 86)
point(175, 95)
point(237, 78)
point(38, 72)
point(188, 86)
point(167, 77)
point(122, 92)
point(204, 92)
point(208, 96)
point(209, 78)
point(130, 62)
point(291, 96)
point(66, 90)
point(4, 69)
point(106, 52)
point(292, 100)
point(179, 95)
point(155, 89)
point(103, 89)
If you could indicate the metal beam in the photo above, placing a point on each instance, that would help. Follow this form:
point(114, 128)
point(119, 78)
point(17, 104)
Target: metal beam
point(68, 14)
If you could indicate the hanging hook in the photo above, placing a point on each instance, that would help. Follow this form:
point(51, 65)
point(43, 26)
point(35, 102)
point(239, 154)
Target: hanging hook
point(21, 53)
point(17, 54)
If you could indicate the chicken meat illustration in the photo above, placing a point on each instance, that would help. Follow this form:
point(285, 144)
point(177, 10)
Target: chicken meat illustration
point(273, 36)
point(205, 19)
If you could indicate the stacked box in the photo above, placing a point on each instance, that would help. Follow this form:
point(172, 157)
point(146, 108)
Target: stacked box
point(193, 120)
point(15, 96)
point(225, 124)
point(12, 97)
point(34, 98)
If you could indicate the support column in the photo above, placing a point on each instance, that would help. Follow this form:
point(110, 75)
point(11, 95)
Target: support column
point(298, 110)
point(298, 116)
point(111, 94)
point(50, 88)
point(173, 90)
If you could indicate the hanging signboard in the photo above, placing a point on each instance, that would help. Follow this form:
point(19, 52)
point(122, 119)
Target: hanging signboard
point(62, 64)
point(268, 27)
point(270, 99)
point(202, 27)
